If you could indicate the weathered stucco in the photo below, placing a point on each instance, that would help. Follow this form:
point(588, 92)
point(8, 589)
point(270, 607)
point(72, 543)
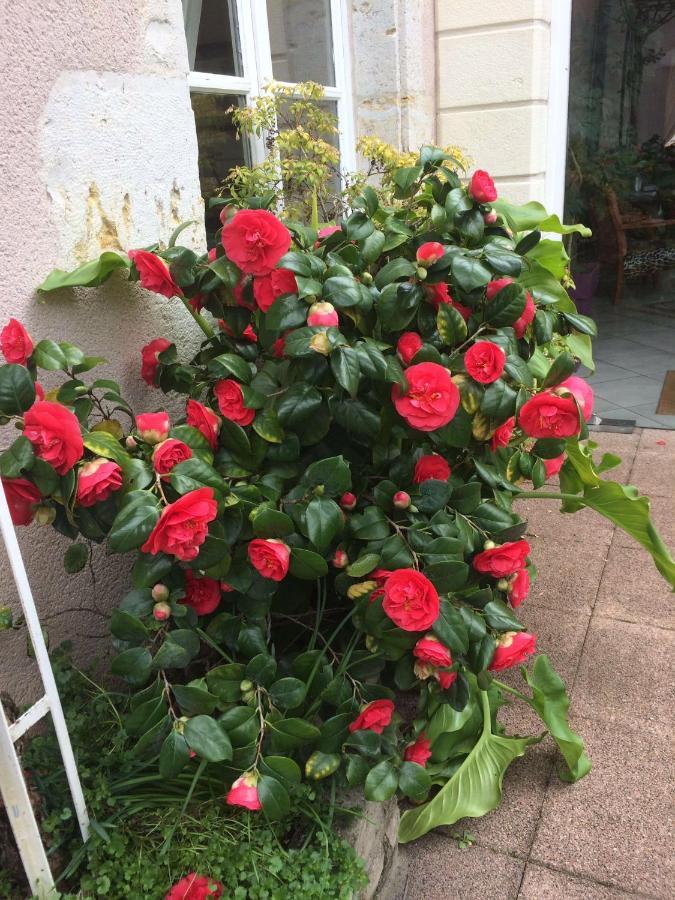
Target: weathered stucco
point(99, 151)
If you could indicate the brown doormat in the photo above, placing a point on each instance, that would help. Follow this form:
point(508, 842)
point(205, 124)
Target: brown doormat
point(666, 405)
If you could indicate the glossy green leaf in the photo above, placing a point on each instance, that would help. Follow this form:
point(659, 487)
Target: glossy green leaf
point(133, 522)
point(174, 755)
point(474, 789)
point(89, 274)
point(324, 521)
point(288, 693)
point(381, 782)
point(273, 797)
point(208, 739)
point(17, 391)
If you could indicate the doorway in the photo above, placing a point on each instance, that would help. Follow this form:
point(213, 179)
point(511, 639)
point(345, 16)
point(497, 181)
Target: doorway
point(620, 180)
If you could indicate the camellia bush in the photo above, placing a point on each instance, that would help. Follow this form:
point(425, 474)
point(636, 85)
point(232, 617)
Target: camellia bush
point(331, 522)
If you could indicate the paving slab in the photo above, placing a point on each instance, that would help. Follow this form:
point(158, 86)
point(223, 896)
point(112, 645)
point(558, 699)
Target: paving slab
point(511, 827)
point(546, 522)
point(624, 673)
point(567, 578)
point(653, 470)
point(633, 590)
point(439, 870)
point(560, 634)
point(541, 883)
point(614, 826)
point(623, 445)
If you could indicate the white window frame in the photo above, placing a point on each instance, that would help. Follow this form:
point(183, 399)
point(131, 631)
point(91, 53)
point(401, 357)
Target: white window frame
point(558, 94)
point(256, 60)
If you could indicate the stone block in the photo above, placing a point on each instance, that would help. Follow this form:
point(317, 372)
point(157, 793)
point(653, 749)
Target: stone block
point(451, 14)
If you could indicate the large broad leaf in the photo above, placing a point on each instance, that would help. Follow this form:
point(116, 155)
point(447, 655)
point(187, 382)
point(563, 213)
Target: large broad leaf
point(550, 701)
point(533, 215)
point(619, 503)
point(474, 789)
point(89, 274)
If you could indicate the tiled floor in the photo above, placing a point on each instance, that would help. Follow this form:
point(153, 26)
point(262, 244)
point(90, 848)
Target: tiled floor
point(598, 603)
point(633, 352)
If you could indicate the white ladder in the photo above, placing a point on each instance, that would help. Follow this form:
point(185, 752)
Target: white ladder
point(12, 782)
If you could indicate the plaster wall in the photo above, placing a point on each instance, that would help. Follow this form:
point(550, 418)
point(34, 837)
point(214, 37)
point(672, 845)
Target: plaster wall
point(492, 75)
point(98, 152)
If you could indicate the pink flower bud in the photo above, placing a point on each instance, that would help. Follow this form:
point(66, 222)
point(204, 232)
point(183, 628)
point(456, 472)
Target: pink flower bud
point(429, 253)
point(322, 313)
point(161, 611)
point(348, 501)
point(340, 559)
point(153, 427)
point(160, 593)
point(490, 218)
point(401, 500)
point(131, 442)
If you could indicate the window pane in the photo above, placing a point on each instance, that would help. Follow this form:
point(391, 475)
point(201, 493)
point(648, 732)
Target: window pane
point(219, 149)
point(212, 38)
point(300, 38)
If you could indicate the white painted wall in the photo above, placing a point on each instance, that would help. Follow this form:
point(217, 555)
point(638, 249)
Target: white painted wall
point(99, 152)
point(492, 65)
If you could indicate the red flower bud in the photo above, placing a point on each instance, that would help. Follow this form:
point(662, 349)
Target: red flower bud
point(160, 593)
point(348, 501)
point(340, 559)
point(401, 500)
point(161, 611)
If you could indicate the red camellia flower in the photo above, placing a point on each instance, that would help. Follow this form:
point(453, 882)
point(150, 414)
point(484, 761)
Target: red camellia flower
point(374, 717)
point(445, 679)
point(502, 435)
point(149, 361)
point(231, 402)
point(582, 393)
point(513, 647)
point(270, 557)
point(154, 272)
point(431, 400)
point(485, 361)
point(244, 792)
point(430, 650)
point(482, 187)
point(16, 343)
point(168, 454)
point(322, 314)
point(204, 420)
point(495, 286)
point(519, 588)
point(410, 600)
point(255, 240)
point(201, 594)
point(153, 427)
point(278, 347)
point(22, 496)
point(408, 345)
point(503, 560)
point(431, 466)
point(328, 230)
point(418, 752)
point(438, 293)
point(553, 466)
point(547, 415)
point(195, 887)
point(528, 314)
point(98, 480)
point(429, 253)
point(55, 434)
point(266, 288)
point(183, 525)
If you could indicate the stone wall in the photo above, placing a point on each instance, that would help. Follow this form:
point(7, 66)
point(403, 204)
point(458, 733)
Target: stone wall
point(99, 152)
point(492, 71)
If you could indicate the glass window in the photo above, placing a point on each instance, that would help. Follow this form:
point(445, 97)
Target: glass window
point(300, 40)
point(211, 30)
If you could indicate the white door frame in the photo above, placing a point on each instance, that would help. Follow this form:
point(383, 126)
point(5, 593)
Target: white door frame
point(558, 95)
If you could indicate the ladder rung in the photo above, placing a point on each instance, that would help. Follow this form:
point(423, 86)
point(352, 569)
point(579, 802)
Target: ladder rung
point(36, 712)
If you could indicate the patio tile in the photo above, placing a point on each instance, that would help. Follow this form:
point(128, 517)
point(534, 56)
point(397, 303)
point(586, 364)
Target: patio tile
point(653, 471)
point(623, 445)
point(630, 391)
point(545, 521)
point(604, 372)
point(560, 634)
point(440, 871)
point(607, 409)
point(614, 825)
point(541, 883)
point(511, 827)
point(613, 685)
point(649, 409)
point(567, 578)
point(633, 590)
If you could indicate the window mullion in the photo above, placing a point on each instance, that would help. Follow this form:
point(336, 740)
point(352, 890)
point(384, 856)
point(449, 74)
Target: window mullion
point(246, 17)
point(343, 85)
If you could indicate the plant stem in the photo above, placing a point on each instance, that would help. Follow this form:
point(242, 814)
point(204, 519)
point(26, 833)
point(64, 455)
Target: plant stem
point(200, 320)
point(548, 495)
point(506, 687)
